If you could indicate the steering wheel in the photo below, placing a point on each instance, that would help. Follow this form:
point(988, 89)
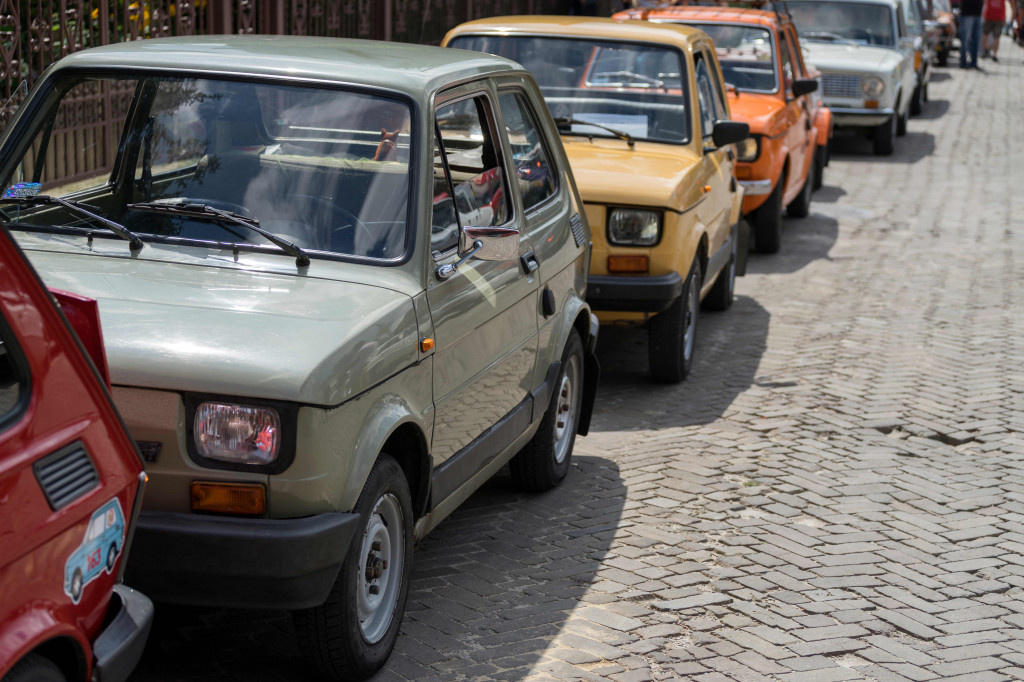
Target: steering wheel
point(353, 222)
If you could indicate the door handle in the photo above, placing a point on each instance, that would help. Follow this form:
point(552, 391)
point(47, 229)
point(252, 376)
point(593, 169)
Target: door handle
point(529, 262)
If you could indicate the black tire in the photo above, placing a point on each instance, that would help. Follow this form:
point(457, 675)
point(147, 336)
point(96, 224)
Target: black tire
point(767, 221)
point(800, 207)
point(720, 296)
point(672, 335)
point(544, 462)
point(943, 56)
point(917, 100)
point(884, 137)
point(77, 583)
point(820, 161)
point(35, 668)
point(342, 644)
point(901, 122)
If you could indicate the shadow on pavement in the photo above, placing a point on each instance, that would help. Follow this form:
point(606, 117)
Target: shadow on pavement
point(804, 240)
point(491, 587)
point(729, 348)
point(933, 109)
point(910, 148)
point(496, 582)
point(828, 194)
point(939, 76)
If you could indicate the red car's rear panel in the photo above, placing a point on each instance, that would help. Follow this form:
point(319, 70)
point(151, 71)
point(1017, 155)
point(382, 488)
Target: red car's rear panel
point(70, 478)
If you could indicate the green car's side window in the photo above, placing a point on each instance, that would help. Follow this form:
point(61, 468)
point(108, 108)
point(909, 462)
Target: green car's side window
point(534, 173)
point(469, 186)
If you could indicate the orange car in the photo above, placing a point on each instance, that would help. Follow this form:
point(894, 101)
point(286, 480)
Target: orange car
point(771, 89)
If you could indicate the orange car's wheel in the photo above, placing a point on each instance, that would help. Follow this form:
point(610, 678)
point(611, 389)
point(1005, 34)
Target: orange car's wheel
point(768, 221)
point(820, 161)
point(800, 207)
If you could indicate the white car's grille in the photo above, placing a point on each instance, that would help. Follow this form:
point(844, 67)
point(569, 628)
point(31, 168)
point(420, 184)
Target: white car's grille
point(838, 85)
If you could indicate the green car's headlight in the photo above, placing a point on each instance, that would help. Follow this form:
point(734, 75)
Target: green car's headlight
point(241, 434)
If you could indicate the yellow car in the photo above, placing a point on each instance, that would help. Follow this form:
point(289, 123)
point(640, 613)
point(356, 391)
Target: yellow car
point(643, 115)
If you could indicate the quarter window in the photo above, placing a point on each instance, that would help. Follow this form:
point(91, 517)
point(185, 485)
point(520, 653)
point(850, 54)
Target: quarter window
point(534, 172)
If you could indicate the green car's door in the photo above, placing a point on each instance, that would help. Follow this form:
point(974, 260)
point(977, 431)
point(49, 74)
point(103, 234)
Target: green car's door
point(551, 222)
point(485, 314)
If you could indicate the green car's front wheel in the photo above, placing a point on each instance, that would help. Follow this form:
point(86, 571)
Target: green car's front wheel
point(352, 634)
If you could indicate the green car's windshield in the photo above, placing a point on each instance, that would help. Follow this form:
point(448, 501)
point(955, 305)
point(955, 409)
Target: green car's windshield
point(746, 54)
point(857, 22)
point(632, 88)
point(327, 170)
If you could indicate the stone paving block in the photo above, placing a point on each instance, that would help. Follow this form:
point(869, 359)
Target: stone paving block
point(907, 624)
point(695, 601)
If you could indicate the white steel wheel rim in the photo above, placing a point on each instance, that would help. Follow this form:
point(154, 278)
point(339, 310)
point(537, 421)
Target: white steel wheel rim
point(690, 322)
point(565, 408)
point(382, 559)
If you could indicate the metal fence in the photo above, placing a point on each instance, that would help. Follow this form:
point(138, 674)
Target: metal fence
point(36, 33)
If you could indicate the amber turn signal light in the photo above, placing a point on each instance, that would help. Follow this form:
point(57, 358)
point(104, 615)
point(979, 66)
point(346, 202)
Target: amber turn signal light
point(247, 499)
point(627, 263)
point(426, 344)
point(871, 104)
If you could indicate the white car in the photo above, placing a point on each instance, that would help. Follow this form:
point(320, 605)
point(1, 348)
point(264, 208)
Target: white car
point(866, 57)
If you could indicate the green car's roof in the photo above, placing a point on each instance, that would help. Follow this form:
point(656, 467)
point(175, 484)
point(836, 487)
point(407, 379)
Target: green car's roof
point(408, 68)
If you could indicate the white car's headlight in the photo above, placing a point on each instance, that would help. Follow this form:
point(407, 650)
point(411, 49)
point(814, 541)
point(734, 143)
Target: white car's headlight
point(241, 434)
point(872, 86)
point(634, 227)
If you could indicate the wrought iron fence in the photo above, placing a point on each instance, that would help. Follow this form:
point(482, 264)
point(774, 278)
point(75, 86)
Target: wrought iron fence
point(36, 33)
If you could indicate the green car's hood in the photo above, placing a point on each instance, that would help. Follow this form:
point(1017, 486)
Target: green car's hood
point(238, 331)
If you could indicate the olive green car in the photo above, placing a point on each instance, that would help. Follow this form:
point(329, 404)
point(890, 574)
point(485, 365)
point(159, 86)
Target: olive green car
point(342, 284)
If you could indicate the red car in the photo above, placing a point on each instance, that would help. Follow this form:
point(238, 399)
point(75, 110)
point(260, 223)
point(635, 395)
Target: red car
point(70, 483)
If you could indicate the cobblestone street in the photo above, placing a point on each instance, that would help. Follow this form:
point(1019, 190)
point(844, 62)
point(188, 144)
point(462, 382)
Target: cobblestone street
point(836, 492)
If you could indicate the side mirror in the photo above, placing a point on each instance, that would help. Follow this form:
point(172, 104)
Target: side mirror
point(489, 243)
point(483, 243)
point(804, 86)
point(729, 132)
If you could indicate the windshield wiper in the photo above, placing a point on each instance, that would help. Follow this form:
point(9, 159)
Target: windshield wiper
point(134, 242)
point(569, 121)
point(827, 35)
point(201, 210)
